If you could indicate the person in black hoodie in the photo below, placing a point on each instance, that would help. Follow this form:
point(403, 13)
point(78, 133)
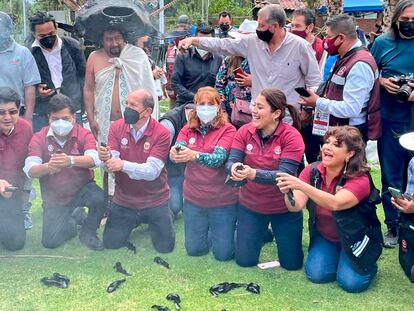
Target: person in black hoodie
point(61, 64)
point(174, 120)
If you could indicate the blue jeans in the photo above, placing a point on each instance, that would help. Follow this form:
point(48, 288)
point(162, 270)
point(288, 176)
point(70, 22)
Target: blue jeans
point(176, 193)
point(394, 161)
point(287, 230)
point(219, 223)
point(327, 262)
point(41, 120)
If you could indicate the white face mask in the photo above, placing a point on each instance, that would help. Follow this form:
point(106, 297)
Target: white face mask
point(61, 127)
point(206, 114)
point(202, 52)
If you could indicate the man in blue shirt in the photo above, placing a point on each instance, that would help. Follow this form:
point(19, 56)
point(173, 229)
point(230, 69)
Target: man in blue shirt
point(393, 54)
point(18, 69)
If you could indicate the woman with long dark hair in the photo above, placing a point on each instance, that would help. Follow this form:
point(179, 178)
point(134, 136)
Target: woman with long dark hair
point(260, 149)
point(345, 234)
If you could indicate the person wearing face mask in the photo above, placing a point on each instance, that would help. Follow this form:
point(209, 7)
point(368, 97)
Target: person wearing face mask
point(61, 155)
point(393, 53)
point(277, 58)
point(225, 25)
point(15, 135)
point(174, 120)
point(18, 68)
point(209, 204)
point(303, 24)
point(350, 96)
point(180, 32)
point(259, 150)
point(61, 64)
point(194, 68)
point(137, 152)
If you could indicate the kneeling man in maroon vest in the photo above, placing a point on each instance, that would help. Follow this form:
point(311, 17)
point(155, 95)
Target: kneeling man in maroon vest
point(61, 155)
point(351, 92)
point(138, 147)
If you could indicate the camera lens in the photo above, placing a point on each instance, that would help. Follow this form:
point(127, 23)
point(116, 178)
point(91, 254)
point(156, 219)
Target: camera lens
point(404, 92)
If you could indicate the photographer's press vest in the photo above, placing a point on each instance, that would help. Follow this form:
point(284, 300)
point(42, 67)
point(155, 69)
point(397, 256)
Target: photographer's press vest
point(335, 88)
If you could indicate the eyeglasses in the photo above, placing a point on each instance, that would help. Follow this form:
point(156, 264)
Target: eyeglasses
point(10, 112)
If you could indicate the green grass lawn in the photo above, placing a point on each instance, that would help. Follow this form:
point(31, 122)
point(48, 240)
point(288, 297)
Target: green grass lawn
point(91, 272)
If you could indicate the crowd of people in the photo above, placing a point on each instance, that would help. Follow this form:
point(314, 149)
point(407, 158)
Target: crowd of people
point(253, 136)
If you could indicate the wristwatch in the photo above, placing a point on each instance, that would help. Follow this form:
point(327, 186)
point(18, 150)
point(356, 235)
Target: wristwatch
point(72, 161)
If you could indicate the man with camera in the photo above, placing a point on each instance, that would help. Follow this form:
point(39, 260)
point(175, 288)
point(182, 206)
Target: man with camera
point(352, 89)
point(393, 53)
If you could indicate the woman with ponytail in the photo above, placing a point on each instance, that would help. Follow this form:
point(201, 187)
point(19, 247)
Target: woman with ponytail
point(259, 151)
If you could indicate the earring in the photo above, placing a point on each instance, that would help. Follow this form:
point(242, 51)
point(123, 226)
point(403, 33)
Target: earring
point(346, 165)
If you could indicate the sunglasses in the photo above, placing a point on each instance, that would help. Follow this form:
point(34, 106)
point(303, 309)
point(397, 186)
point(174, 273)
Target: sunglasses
point(11, 112)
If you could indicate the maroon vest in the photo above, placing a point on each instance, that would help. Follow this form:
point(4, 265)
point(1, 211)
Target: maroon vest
point(335, 88)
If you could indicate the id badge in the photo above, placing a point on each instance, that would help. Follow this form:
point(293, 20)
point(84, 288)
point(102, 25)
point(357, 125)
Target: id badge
point(320, 122)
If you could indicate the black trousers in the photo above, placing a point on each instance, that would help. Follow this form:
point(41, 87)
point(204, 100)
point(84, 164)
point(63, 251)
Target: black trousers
point(12, 232)
point(312, 142)
point(122, 220)
point(58, 223)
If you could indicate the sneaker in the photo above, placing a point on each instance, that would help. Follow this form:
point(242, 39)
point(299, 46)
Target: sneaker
point(390, 238)
point(28, 224)
point(91, 240)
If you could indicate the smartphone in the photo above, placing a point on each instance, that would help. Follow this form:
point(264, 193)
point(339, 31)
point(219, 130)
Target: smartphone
point(302, 91)
point(396, 193)
point(11, 189)
point(103, 145)
point(268, 265)
point(59, 151)
point(238, 72)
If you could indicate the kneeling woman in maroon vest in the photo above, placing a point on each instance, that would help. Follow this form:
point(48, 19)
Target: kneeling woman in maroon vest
point(260, 149)
point(209, 204)
point(345, 232)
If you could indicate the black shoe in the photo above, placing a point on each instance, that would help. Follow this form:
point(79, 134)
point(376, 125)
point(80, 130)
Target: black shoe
point(91, 240)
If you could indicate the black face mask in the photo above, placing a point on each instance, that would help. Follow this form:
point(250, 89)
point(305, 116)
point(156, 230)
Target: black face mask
point(265, 35)
point(48, 42)
point(224, 27)
point(406, 28)
point(131, 116)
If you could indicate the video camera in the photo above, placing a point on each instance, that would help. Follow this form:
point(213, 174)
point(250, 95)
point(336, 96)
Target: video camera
point(405, 90)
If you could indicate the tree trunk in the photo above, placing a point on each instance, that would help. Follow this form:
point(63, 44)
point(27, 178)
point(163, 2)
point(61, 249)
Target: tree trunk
point(335, 7)
point(389, 6)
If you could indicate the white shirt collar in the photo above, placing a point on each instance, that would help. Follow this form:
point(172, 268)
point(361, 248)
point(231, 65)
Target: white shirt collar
point(50, 133)
point(142, 129)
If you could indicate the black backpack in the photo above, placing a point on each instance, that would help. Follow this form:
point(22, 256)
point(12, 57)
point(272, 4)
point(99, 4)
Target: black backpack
point(359, 228)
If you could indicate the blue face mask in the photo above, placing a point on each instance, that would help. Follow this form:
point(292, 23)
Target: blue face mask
point(206, 113)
